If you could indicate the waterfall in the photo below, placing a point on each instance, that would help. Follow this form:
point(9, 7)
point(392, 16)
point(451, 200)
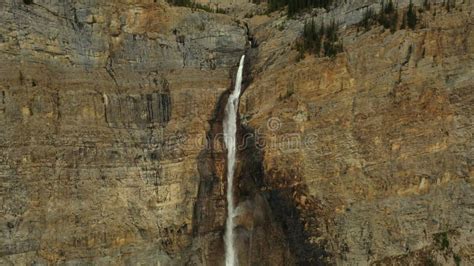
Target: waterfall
point(230, 140)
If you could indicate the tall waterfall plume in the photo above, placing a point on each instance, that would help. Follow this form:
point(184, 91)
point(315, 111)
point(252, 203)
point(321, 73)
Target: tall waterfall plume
point(230, 140)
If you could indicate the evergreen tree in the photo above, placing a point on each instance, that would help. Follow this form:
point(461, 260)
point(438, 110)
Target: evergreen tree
point(295, 6)
point(388, 16)
point(181, 2)
point(426, 5)
point(411, 16)
point(368, 19)
point(276, 4)
point(404, 21)
point(450, 4)
point(320, 40)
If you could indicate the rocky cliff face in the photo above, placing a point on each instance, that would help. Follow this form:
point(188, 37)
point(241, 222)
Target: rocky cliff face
point(104, 108)
point(374, 147)
point(111, 148)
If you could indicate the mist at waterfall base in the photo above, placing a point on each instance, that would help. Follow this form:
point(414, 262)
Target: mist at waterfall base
point(230, 134)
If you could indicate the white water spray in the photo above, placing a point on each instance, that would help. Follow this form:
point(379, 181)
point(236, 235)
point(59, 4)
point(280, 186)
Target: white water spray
point(230, 140)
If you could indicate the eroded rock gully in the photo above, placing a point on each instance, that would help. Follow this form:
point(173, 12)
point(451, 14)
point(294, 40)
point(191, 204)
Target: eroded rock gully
point(261, 233)
point(365, 158)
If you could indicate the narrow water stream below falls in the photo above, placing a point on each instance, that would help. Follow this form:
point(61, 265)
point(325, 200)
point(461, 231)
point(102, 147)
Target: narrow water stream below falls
point(230, 140)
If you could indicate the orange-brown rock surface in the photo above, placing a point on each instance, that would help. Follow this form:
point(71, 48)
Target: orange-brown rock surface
point(104, 107)
point(375, 146)
point(111, 145)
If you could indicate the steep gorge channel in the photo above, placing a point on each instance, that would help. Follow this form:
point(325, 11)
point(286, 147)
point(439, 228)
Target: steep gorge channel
point(268, 229)
point(258, 239)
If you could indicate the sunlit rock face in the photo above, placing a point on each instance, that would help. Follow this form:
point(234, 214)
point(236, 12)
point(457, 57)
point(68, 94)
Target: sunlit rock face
point(373, 147)
point(111, 148)
point(103, 108)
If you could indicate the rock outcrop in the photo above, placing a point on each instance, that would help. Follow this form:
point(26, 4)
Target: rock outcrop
point(374, 147)
point(104, 108)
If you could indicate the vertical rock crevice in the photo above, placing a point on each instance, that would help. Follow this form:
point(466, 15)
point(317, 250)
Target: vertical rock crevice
point(267, 219)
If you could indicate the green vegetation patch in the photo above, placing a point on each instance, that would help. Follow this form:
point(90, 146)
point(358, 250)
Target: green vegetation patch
point(320, 40)
point(296, 6)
